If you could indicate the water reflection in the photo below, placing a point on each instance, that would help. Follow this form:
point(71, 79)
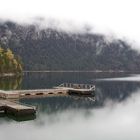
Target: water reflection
point(113, 115)
point(48, 80)
point(115, 91)
point(55, 104)
point(115, 120)
point(10, 83)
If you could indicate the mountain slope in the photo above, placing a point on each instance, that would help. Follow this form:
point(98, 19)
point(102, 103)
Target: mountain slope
point(49, 49)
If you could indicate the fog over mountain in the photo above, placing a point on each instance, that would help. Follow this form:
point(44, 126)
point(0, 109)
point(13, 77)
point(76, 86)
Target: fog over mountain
point(119, 17)
point(52, 48)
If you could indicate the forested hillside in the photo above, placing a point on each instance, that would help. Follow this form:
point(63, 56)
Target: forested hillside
point(50, 49)
point(9, 63)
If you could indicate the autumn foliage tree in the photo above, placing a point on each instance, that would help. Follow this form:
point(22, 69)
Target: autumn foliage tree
point(9, 63)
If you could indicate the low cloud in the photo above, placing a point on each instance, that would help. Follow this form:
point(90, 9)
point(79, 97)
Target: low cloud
point(113, 18)
point(113, 121)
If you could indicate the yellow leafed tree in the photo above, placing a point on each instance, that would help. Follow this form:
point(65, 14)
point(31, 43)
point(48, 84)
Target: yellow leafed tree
point(9, 63)
point(9, 54)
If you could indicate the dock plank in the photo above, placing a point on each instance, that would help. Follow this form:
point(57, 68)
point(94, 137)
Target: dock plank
point(16, 94)
point(16, 108)
point(63, 89)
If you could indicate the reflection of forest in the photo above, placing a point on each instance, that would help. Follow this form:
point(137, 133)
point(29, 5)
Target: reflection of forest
point(48, 80)
point(115, 91)
point(10, 83)
point(59, 103)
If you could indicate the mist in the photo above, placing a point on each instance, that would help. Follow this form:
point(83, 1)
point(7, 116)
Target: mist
point(112, 18)
point(116, 120)
point(132, 78)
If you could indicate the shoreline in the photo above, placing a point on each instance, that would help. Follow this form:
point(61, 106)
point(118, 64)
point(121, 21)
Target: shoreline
point(66, 71)
point(77, 71)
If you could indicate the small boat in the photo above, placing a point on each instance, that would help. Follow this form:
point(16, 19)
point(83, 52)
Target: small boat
point(78, 89)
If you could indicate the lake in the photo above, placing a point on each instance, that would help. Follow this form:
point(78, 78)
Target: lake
point(113, 115)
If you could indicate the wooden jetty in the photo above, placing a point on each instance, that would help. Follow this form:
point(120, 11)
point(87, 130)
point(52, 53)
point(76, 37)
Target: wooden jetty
point(17, 94)
point(16, 109)
point(63, 89)
point(77, 89)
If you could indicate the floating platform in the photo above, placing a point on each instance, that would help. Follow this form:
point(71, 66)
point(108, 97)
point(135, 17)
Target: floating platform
point(77, 89)
point(63, 89)
point(17, 94)
point(16, 109)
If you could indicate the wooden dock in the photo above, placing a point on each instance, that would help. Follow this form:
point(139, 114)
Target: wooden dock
point(77, 89)
point(63, 89)
point(16, 109)
point(17, 94)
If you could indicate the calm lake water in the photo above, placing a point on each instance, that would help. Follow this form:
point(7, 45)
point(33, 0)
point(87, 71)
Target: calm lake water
point(114, 115)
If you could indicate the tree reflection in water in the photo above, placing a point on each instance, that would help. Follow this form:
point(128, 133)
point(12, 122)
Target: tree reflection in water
point(10, 83)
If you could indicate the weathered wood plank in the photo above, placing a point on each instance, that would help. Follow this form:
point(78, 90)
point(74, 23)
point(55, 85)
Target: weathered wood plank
point(16, 108)
point(16, 94)
point(63, 89)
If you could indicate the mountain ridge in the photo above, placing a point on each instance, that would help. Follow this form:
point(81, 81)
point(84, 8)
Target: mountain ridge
point(51, 49)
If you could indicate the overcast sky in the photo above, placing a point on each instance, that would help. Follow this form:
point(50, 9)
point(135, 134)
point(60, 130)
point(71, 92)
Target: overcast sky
point(120, 17)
